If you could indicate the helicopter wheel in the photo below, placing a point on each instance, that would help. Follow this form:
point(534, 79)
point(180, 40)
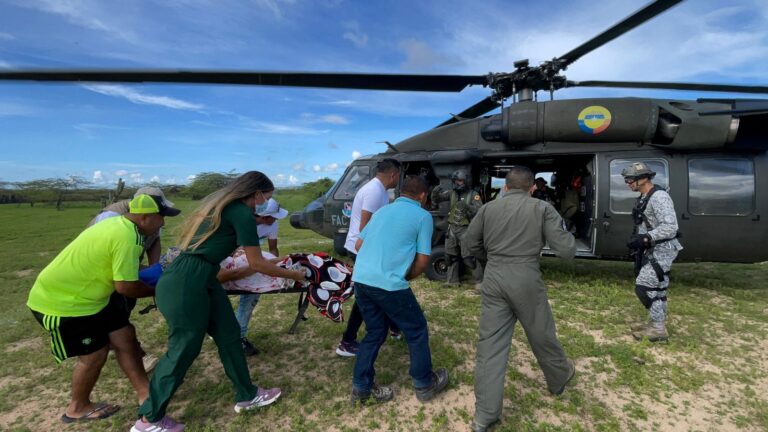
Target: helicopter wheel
point(437, 270)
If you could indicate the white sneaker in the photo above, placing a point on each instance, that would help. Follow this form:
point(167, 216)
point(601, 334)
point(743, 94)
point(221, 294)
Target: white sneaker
point(165, 424)
point(263, 397)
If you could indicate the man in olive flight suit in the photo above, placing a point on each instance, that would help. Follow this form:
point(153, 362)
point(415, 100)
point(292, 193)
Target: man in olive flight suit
point(509, 233)
point(465, 203)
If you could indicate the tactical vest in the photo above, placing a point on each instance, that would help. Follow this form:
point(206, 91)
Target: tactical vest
point(643, 257)
point(457, 216)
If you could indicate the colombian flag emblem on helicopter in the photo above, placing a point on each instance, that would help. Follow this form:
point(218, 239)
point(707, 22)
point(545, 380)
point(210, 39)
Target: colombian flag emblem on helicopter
point(594, 119)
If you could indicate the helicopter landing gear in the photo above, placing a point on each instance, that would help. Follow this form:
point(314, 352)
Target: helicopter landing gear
point(437, 270)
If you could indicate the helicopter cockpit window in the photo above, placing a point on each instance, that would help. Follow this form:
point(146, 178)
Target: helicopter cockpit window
point(721, 186)
point(353, 180)
point(622, 198)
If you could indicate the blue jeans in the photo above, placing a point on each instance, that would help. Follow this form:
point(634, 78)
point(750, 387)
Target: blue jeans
point(402, 308)
point(244, 311)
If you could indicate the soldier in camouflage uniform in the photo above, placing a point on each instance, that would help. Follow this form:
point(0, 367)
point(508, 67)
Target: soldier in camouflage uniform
point(465, 203)
point(655, 246)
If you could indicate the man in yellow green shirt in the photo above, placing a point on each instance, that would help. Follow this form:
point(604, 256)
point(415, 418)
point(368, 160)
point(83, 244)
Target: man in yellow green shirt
point(70, 299)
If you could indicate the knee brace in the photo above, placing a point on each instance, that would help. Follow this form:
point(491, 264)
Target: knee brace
point(642, 294)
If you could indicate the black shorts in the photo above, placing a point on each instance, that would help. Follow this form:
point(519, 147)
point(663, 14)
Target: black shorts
point(122, 303)
point(76, 336)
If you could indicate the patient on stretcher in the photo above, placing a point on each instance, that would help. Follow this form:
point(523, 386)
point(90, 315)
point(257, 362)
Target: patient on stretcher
point(257, 282)
point(328, 285)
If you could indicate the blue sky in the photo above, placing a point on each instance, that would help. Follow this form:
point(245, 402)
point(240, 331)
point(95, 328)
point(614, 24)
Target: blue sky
point(168, 133)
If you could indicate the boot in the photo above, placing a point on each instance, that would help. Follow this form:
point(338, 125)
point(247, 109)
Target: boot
point(654, 333)
point(478, 289)
point(639, 326)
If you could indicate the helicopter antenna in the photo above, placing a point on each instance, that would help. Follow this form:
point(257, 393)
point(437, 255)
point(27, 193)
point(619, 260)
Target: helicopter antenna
point(389, 144)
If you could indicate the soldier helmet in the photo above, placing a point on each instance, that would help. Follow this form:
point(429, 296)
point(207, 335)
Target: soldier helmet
point(637, 170)
point(459, 174)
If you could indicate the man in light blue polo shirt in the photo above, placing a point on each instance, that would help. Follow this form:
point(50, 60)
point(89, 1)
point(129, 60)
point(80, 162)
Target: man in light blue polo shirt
point(394, 248)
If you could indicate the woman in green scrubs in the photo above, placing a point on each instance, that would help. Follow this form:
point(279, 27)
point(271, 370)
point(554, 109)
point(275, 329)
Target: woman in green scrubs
point(193, 302)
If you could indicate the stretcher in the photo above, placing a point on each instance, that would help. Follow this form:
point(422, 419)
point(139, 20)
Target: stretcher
point(328, 285)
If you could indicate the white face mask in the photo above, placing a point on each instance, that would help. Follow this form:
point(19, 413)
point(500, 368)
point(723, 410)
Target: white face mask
point(261, 208)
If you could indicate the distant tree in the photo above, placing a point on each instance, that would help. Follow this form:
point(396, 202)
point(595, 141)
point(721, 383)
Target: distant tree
point(63, 185)
point(318, 187)
point(36, 190)
point(114, 195)
point(208, 182)
point(51, 189)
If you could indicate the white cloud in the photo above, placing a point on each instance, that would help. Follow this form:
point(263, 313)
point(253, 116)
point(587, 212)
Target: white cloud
point(274, 6)
point(154, 179)
point(121, 173)
point(342, 102)
point(84, 14)
point(317, 168)
point(191, 177)
point(136, 177)
point(334, 119)
point(298, 166)
point(286, 180)
point(328, 118)
point(137, 97)
point(12, 109)
point(354, 35)
point(356, 154)
point(282, 129)
point(98, 177)
point(332, 166)
point(420, 57)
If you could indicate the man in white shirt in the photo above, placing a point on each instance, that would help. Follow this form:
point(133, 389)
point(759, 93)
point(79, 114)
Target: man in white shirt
point(370, 198)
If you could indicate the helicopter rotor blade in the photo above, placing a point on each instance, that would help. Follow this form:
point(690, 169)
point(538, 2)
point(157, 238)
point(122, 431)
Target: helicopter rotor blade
point(649, 11)
point(474, 111)
point(741, 108)
point(361, 81)
point(671, 86)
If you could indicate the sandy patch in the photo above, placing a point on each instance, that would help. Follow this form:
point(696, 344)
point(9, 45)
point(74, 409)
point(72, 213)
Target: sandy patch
point(23, 273)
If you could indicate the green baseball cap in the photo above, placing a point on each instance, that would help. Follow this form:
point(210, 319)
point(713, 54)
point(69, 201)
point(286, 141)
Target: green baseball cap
point(148, 204)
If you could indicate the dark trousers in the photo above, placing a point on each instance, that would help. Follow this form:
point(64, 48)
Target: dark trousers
point(355, 319)
point(193, 304)
point(402, 308)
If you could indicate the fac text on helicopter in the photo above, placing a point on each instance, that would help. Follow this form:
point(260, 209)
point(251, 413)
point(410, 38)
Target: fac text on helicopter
point(709, 153)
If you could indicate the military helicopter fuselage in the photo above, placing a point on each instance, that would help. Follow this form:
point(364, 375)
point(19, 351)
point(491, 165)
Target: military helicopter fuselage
point(713, 164)
point(709, 153)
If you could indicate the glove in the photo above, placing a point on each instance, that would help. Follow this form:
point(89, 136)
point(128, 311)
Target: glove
point(434, 196)
point(641, 241)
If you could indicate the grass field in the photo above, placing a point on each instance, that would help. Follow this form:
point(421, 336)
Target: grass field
point(711, 376)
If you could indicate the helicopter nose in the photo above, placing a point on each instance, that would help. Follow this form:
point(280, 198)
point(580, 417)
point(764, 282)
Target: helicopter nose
point(298, 221)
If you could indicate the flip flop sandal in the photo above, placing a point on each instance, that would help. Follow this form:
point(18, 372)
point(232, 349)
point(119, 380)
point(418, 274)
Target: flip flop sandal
point(103, 409)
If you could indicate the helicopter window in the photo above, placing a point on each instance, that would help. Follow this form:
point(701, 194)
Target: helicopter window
point(721, 186)
point(353, 180)
point(622, 198)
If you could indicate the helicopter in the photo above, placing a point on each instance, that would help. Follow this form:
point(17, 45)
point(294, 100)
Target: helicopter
point(709, 153)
